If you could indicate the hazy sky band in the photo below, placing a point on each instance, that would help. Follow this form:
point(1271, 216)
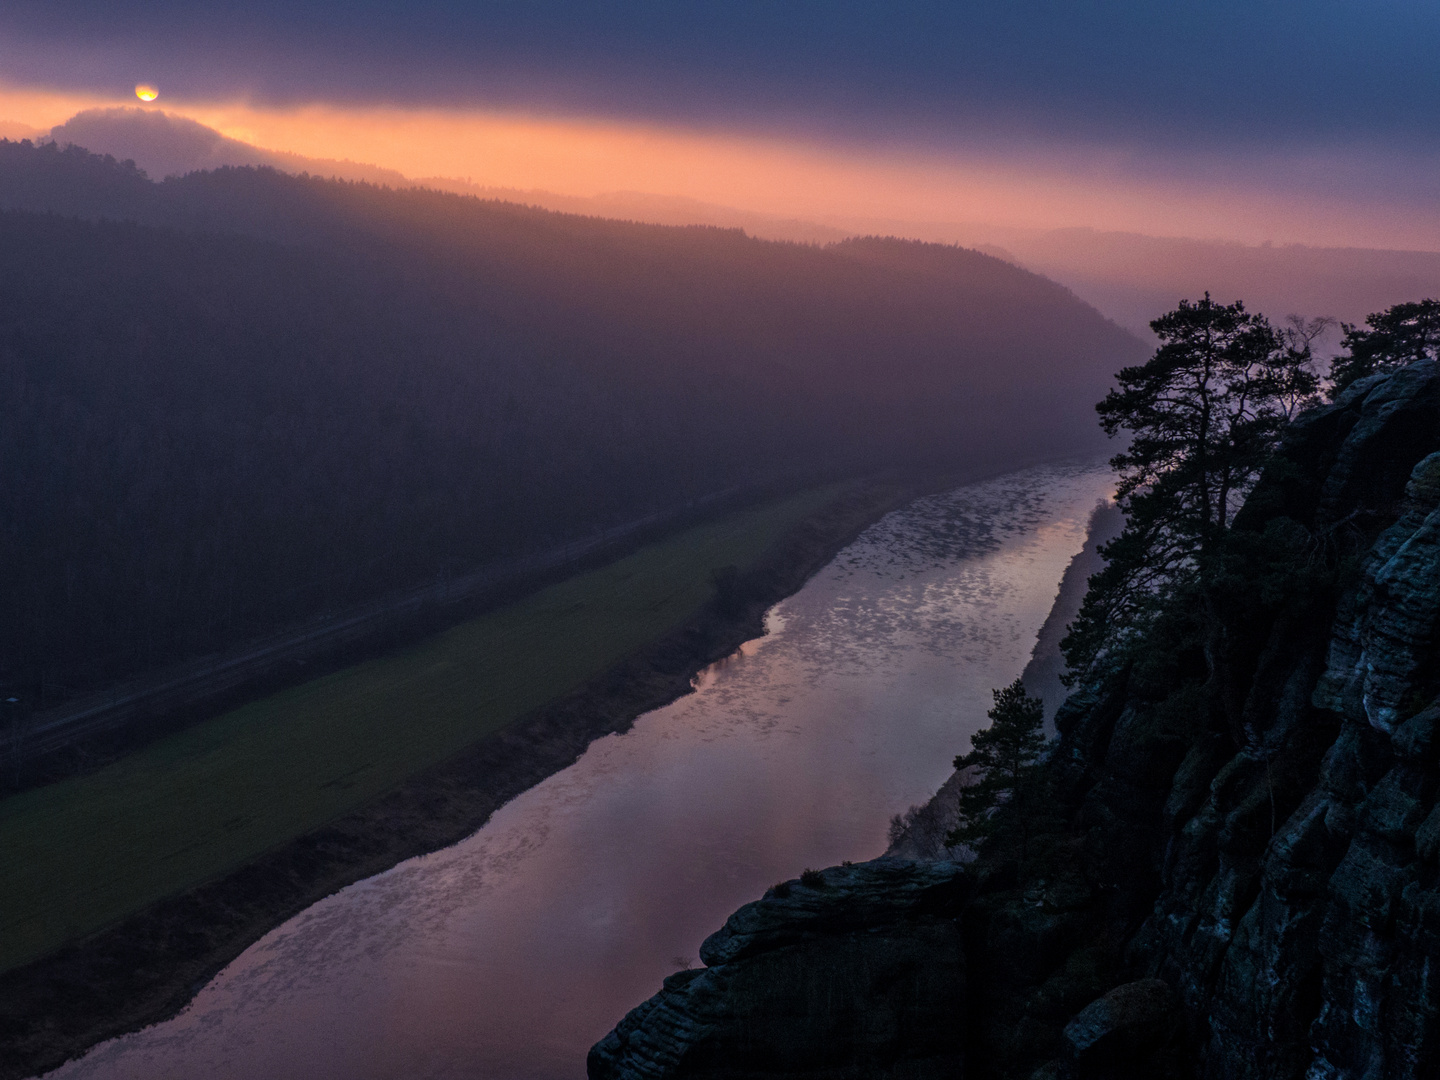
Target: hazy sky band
point(1311, 122)
point(1145, 73)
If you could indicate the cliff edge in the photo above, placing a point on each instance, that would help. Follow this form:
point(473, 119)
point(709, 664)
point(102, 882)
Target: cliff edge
point(852, 972)
point(1235, 876)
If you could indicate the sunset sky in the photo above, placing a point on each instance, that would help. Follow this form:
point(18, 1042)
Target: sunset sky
point(1284, 121)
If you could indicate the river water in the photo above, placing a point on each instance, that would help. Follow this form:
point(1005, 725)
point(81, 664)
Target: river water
point(509, 954)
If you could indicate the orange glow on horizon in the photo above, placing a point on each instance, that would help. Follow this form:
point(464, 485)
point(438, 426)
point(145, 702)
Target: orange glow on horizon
point(807, 180)
point(845, 186)
point(46, 108)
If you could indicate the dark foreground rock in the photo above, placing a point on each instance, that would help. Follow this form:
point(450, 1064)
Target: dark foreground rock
point(857, 972)
point(1128, 1024)
point(1256, 843)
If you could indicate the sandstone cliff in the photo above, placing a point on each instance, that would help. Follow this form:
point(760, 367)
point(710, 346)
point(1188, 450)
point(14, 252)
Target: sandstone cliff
point(1237, 876)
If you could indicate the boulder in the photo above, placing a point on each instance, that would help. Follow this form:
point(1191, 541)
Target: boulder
point(1127, 1024)
point(856, 973)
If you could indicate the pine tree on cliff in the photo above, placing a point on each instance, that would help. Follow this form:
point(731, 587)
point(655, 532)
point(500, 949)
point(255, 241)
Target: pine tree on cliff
point(1397, 336)
point(1202, 416)
point(1005, 756)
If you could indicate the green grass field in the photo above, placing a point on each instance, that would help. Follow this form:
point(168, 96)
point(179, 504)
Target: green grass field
point(80, 854)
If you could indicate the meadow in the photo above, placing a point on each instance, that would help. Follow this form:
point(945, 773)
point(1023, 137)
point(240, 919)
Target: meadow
point(85, 852)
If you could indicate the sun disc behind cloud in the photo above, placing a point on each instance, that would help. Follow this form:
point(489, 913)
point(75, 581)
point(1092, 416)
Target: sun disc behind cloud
point(146, 92)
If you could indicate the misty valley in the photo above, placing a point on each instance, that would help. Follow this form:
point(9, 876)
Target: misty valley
point(451, 628)
point(269, 397)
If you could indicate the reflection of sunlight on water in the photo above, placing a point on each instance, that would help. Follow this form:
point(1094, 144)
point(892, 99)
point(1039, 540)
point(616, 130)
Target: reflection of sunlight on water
point(708, 676)
point(774, 621)
point(508, 954)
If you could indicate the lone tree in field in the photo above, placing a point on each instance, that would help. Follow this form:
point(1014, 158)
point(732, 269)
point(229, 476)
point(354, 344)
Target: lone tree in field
point(1396, 336)
point(1202, 416)
point(1005, 755)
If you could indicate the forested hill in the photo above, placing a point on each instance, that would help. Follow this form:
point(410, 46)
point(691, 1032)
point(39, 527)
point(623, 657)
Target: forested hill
point(235, 399)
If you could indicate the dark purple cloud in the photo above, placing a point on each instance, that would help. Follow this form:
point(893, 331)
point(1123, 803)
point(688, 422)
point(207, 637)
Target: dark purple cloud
point(1320, 72)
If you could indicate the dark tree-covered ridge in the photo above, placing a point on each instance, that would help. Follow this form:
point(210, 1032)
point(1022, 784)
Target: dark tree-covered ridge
point(239, 399)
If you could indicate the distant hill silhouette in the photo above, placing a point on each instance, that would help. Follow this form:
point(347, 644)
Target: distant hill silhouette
point(244, 398)
point(10, 129)
point(1133, 277)
point(1130, 277)
point(163, 145)
point(657, 210)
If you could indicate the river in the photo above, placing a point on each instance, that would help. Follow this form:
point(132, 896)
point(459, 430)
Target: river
point(507, 955)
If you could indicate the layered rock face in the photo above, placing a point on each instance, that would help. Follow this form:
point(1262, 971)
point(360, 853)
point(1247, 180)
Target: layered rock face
point(1298, 913)
point(1266, 848)
point(1238, 874)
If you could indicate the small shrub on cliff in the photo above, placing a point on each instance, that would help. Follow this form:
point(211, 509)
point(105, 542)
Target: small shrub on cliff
point(812, 879)
point(1389, 340)
point(1005, 755)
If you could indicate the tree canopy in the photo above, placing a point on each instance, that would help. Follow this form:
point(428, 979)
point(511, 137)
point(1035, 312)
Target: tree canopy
point(1201, 416)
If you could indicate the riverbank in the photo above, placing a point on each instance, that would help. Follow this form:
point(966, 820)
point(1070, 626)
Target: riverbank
point(148, 965)
point(920, 832)
point(84, 734)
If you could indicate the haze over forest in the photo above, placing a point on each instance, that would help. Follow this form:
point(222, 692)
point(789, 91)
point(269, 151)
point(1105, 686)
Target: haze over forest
point(403, 405)
point(544, 432)
point(238, 398)
point(1128, 276)
point(604, 278)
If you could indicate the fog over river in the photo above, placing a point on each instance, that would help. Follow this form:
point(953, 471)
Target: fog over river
point(508, 954)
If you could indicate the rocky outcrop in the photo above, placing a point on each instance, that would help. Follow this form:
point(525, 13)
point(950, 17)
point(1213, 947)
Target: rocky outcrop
point(1272, 862)
point(1311, 913)
point(852, 972)
point(1237, 874)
